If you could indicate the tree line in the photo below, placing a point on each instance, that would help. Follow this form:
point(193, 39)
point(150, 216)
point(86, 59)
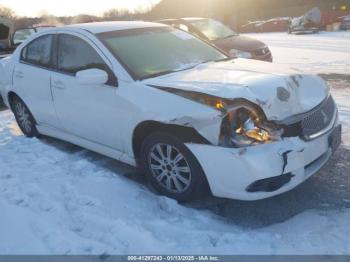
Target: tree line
point(234, 12)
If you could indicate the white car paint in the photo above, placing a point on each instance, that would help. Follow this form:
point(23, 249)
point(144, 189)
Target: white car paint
point(103, 118)
point(239, 168)
point(256, 81)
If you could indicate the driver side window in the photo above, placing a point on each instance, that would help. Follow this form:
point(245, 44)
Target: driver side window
point(75, 54)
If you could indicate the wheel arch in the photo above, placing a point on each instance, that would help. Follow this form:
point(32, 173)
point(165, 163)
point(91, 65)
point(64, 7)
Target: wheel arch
point(11, 95)
point(184, 133)
point(144, 129)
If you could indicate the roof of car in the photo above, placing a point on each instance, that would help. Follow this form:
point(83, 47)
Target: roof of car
point(101, 27)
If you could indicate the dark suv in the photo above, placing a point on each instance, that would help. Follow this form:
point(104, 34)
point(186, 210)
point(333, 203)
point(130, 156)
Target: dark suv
point(222, 37)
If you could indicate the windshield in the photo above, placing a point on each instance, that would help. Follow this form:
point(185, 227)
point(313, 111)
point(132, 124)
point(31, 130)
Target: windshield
point(212, 29)
point(149, 52)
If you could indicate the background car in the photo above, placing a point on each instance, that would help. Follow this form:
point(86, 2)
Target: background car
point(310, 22)
point(222, 37)
point(250, 27)
point(6, 30)
point(345, 23)
point(11, 38)
point(278, 24)
point(21, 34)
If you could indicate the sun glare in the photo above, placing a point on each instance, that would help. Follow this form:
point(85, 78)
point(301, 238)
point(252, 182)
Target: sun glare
point(69, 8)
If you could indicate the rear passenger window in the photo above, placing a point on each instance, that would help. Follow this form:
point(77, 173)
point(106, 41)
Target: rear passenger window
point(74, 54)
point(38, 52)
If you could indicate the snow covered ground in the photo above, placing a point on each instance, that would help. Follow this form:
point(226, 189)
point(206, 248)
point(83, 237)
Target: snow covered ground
point(56, 198)
point(326, 52)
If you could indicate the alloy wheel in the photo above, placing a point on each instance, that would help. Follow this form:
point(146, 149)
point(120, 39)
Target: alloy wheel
point(169, 167)
point(23, 116)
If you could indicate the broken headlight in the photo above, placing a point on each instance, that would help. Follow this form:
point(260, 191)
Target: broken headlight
point(244, 125)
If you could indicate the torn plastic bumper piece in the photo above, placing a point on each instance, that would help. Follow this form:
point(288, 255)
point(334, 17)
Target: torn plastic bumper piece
point(269, 184)
point(231, 171)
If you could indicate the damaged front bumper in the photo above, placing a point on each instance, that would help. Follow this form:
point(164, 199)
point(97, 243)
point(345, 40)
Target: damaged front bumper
point(265, 170)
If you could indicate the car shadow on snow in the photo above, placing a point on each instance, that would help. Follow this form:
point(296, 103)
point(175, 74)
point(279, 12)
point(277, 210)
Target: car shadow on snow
point(329, 189)
point(102, 161)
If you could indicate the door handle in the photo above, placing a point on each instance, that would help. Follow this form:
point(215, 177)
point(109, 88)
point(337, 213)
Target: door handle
point(58, 84)
point(19, 74)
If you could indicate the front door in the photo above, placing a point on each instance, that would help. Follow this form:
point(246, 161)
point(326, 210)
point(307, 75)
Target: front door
point(87, 111)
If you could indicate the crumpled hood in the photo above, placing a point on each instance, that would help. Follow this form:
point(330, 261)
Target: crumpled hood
point(280, 91)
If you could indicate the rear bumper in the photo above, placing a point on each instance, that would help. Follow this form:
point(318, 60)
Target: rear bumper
point(232, 172)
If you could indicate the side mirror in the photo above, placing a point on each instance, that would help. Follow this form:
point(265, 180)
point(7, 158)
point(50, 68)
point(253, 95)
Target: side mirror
point(92, 76)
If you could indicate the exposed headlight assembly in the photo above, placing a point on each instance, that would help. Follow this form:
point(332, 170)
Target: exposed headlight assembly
point(243, 124)
point(246, 125)
point(240, 54)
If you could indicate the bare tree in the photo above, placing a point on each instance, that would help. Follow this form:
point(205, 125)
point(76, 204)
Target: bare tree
point(83, 18)
point(121, 14)
point(7, 12)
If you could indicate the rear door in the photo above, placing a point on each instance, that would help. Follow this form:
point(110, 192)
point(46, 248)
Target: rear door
point(31, 79)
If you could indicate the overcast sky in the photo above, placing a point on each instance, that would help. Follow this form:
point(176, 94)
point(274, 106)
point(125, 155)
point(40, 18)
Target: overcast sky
point(72, 7)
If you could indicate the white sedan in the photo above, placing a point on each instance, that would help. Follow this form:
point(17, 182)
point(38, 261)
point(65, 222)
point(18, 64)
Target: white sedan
point(160, 99)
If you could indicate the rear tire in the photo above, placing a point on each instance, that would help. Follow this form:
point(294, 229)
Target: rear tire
point(171, 168)
point(24, 118)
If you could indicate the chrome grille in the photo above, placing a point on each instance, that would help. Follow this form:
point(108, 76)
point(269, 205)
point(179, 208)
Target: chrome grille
point(319, 119)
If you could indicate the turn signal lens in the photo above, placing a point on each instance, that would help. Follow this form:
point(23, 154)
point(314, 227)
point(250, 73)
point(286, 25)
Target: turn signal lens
point(219, 105)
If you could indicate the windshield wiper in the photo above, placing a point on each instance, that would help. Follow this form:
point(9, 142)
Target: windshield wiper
point(169, 71)
point(228, 36)
point(224, 59)
point(184, 68)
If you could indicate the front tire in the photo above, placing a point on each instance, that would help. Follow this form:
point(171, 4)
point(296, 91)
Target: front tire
point(24, 118)
point(171, 168)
